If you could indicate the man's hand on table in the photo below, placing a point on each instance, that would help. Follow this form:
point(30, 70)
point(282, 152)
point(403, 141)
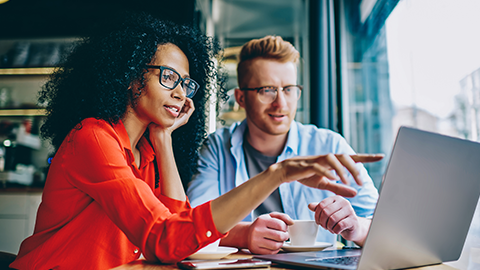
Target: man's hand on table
point(268, 232)
point(336, 215)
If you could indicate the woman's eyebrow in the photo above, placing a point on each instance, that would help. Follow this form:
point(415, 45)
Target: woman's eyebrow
point(183, 76)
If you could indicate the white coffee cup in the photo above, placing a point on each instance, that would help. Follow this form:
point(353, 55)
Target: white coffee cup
point(303, 232)
point(211, 247)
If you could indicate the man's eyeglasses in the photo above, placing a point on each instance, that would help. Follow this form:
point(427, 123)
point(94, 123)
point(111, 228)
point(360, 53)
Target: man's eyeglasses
point(267, 94)
point(169, 78)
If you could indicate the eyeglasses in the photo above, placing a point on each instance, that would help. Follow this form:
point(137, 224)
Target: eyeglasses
point(169, 78)
point(267, 94)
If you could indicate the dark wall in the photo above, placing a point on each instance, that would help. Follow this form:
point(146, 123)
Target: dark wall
point(60, 18)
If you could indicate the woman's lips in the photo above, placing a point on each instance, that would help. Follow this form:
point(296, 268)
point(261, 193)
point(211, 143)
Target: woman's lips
point(173, 110)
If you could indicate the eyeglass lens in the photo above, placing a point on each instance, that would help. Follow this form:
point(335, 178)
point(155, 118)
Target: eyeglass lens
point(170, 79)
point(269, 94)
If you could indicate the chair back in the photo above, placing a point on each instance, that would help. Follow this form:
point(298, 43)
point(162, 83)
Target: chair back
point(6, 259)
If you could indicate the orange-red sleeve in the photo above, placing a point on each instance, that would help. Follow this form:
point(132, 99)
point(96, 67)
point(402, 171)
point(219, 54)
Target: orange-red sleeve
point(98, 166)
point(195, 227)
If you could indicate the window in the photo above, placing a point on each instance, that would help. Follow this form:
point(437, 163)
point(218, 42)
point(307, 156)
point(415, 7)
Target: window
point(414, 63)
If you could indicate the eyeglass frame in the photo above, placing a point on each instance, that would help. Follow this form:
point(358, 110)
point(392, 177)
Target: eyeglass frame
point(258, 89)
point(182, 80)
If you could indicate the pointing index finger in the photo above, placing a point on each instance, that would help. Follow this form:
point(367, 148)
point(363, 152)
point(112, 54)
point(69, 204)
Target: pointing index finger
point(366, 158)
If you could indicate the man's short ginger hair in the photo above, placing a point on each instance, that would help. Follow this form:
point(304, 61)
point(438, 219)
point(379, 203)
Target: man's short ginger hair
point(269, 47)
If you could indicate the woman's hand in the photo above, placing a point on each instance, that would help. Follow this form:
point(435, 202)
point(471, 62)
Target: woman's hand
point(185, 113)
point(161, 139)
point(318, 171)
point(313, 171)
point(157, 132)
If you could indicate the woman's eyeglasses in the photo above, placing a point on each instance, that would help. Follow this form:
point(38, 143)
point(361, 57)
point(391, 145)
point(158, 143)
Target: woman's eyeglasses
point(169, 78)
point(267, 94)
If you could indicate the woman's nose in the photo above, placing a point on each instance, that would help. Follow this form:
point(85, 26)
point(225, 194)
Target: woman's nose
point(178, 92)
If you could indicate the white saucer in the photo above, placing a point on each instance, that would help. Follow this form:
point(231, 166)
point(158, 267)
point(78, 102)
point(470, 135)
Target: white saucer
point(213, 255)
point(316, 247)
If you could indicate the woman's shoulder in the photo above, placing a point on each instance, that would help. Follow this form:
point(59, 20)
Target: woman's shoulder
point(93, 122)
point(93, 127)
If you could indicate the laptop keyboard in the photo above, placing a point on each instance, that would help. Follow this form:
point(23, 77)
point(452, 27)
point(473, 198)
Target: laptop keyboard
point(344, 260)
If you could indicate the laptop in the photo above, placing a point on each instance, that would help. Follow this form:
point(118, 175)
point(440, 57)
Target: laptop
point(427, 200)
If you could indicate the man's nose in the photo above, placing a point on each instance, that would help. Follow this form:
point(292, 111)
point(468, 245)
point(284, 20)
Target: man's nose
point(280, 99)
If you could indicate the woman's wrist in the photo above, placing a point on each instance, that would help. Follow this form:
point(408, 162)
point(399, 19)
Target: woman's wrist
point(161, 139)
point(276, 174)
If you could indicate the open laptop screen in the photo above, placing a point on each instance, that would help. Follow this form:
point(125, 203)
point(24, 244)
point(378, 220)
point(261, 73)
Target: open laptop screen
point(427, 200)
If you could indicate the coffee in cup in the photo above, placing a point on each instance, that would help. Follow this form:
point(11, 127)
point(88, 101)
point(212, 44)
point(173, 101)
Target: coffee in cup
point(303, 232)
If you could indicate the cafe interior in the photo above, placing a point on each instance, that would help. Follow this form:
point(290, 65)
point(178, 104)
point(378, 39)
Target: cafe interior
point(367, 67)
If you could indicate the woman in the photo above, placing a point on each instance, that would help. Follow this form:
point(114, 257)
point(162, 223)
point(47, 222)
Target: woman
point(113, 190)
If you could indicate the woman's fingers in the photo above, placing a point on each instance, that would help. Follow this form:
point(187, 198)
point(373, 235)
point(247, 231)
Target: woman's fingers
point(340, 189)
point(317, 171)
point(318, 176)
point(348, 162)
point(335, 163)
point(325, 184)
point(365, 158)
point(340, 162)
point(191, 106)
point(187, 109)
point(185, 113)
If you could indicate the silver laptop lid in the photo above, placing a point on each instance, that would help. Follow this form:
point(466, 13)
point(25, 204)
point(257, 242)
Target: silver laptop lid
point(427, 201)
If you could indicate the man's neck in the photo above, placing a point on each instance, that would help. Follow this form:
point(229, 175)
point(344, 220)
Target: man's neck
point(269, 145)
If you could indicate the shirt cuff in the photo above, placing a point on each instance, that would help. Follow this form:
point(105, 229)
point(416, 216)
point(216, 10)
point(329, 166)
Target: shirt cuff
point(206, 231)
point(173, 205)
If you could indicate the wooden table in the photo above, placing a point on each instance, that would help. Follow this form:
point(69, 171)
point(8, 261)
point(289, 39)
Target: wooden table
point(142, 265)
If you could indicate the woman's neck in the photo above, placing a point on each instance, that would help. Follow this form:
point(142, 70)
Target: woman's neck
point(135, 130)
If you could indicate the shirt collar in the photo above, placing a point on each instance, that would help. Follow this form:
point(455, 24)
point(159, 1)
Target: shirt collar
point(122, 134)
point(146, 151)
point(293, 139)
point(291, 147)
point(237, 130)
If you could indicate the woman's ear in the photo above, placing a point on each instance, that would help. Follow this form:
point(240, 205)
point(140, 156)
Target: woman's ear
point(240, 97)
point(134, 86)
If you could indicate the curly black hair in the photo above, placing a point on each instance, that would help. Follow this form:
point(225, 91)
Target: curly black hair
point(93, 81)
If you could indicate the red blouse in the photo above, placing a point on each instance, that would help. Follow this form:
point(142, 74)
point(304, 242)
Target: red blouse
point(99, 210)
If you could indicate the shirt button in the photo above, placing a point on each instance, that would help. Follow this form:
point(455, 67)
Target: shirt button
point(209, 233)
point(135, 251)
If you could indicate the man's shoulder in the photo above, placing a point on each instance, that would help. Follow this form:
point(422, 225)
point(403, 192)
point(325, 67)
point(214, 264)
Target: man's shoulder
point(220, 134)
point(312, 130)
point(309, 139)
point(226, 133)
point(219, 139)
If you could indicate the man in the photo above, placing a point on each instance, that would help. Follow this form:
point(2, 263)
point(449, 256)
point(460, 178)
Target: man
point(268, 91)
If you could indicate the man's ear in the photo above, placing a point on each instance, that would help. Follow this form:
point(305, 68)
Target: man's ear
point(240, 97)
